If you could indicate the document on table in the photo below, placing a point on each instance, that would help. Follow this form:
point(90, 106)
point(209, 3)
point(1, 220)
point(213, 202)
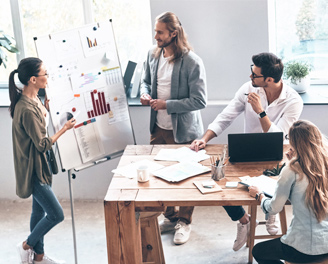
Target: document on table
point(181, 171)
point(265, 183)
point(181, 154)
point(130, 170)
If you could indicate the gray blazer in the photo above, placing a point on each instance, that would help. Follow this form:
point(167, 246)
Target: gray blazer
point(188, 95)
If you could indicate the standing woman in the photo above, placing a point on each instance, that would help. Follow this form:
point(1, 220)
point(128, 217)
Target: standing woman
point(30, 144)
point(305, 183)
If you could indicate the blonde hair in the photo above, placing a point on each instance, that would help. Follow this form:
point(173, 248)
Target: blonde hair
point(172, 23)
point(311, 161)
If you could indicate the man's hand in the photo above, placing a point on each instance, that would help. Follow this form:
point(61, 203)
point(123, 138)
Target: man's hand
point(253, 190)
point(197, 144)
point(290, 154)
point(158, 104)
point(255, 101)
point(145, 99)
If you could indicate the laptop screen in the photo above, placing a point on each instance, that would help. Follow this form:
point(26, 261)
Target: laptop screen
point(255, 146)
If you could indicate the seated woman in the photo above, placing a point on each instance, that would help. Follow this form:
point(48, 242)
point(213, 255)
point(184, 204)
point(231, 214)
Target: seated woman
point(304, 181)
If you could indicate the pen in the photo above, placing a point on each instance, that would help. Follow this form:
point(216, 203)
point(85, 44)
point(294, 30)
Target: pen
point(246, 94)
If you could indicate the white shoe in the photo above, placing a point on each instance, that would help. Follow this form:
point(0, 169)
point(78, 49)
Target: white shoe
point(242, 235)
point(26, 256)
point(182, 233)
point(47, 260)
point(271, 226)
point(166, 225)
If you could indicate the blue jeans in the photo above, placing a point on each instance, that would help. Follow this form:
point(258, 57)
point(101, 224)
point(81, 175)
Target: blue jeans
point(46, 213)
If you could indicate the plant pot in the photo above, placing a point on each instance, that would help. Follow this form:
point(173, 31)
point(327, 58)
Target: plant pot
point(301, 86)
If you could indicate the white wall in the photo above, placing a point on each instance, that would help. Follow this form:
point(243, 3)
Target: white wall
point(225, 34)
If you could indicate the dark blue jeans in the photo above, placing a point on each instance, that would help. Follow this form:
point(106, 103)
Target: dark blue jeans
point(272, 251)
point(235, 212)
point(46, 213)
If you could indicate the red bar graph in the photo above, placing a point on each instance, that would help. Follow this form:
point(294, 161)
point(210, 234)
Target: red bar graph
point(98, 104)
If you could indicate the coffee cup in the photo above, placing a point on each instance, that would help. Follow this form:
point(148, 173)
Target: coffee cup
point(143, 174)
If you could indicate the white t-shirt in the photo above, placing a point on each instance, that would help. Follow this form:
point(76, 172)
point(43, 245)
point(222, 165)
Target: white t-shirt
point(164, 75)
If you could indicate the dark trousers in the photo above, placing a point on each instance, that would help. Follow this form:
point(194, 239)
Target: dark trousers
point(272, 251)
point(163, 136)
point(235, 212)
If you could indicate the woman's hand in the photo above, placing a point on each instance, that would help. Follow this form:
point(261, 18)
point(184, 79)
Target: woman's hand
point(70, 124)
point(253, 190)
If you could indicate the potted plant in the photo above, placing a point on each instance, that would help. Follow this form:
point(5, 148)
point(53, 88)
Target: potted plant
point(9, 44)
point(297, 72)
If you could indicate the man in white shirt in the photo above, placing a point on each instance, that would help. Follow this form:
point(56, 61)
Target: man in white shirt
point(174, 85)
point(268, 105)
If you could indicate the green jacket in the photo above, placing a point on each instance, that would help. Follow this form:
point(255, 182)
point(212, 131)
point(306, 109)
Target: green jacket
point(30, 144)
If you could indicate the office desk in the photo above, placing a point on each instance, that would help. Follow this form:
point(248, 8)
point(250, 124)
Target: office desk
point(126, 200)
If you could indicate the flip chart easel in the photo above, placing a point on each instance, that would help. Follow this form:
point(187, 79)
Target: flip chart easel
point(85, 82)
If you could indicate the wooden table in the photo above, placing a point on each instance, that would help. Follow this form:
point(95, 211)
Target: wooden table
point(131, 208)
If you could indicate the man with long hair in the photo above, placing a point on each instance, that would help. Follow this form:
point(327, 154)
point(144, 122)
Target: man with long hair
point(174, 85)
point(268, 105)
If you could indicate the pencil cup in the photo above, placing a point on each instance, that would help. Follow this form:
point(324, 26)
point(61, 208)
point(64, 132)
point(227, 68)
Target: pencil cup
point(218, 172)
point(143, 174)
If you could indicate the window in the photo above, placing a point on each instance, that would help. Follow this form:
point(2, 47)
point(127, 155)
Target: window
point(131, 23)
point(5, 25)
point(302, 34)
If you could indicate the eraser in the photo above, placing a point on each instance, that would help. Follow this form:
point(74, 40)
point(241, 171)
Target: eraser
point(231, 184)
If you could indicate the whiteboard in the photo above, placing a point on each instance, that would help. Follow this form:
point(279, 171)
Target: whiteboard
point(85, 81)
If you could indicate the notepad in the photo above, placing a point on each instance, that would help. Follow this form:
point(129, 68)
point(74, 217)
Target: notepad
point(203, 190)
point(264, 183)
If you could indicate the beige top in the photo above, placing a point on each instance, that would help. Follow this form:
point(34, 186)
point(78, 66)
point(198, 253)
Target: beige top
point(29, 146)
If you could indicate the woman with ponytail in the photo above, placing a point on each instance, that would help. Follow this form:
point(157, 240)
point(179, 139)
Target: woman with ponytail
point(304, 181)
point(30, 145)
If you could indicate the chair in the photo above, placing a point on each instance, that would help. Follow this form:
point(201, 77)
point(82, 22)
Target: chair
point(252, 210)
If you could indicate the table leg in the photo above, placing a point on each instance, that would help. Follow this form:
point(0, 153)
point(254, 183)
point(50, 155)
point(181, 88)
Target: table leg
point(122, 233)
point(252, 232)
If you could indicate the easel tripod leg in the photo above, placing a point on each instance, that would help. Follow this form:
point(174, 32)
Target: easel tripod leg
point(72, 213)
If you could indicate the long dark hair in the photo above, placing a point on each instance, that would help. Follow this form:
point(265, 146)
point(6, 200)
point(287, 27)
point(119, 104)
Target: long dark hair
point(27, 68)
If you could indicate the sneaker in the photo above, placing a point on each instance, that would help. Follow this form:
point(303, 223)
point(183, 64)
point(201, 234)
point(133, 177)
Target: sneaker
point(242, 235)
point(167, 225)
point(26, 256)
point(182, 233)
point(271, 225)
point(47, 260)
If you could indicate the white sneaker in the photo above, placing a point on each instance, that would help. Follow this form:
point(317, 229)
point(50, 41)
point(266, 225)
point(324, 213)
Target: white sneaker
point(47, 260)
point(271, 225)
point(166, 225)
point(242, 235)
point(182, 233)
point(26, 256)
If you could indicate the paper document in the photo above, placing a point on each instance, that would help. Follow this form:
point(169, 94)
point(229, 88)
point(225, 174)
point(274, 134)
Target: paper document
point(265, 183)
point(183, 154)
point(181, 171)
point(130, 170)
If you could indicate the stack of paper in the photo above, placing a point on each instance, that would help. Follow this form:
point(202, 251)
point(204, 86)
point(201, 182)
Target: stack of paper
point(183, 154)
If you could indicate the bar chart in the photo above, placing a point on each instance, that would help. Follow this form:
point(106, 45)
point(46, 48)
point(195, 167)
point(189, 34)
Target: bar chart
point(96, 103)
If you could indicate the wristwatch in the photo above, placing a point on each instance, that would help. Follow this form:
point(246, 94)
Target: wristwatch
point(262, 114)
point(258, 196)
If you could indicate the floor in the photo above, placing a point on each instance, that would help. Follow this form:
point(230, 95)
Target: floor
point(211, 239)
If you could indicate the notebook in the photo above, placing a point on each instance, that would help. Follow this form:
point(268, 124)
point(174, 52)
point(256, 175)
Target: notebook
point(255, 146)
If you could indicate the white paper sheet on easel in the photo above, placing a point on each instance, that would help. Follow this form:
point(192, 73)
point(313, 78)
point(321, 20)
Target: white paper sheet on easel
point(183, 154)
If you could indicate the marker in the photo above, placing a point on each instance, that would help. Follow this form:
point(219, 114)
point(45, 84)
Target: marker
point(246, 94)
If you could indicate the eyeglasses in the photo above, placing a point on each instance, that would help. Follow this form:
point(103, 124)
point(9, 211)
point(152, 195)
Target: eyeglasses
point(286, 137)
point(253, 74)
point(46, 74)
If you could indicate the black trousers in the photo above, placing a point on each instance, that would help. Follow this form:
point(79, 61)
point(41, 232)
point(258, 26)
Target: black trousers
point(272, 251)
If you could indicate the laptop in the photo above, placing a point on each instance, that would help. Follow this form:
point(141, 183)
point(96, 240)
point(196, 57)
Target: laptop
point(255, 146)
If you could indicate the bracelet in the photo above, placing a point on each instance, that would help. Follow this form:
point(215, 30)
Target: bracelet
point(258, 196)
